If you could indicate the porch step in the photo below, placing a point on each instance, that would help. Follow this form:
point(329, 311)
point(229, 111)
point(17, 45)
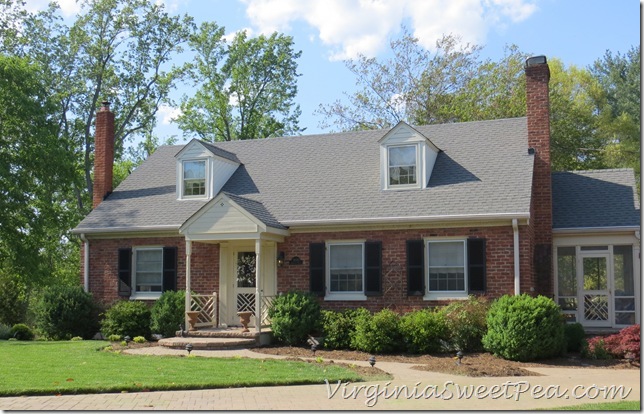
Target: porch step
point(208, 343)
point(222, 333)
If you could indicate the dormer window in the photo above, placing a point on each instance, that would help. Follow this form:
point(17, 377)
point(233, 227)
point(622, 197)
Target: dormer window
point(194, 178)
point(403, 161)
point(407, 159)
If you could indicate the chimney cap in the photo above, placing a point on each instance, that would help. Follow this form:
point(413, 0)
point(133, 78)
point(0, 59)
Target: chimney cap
point(535, 60)
point(106, 106)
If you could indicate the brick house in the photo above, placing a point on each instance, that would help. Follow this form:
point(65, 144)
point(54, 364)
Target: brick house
point(403, 218)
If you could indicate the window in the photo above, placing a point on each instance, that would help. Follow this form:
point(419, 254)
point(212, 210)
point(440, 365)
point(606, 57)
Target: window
point(446, 266)
point(148, 274)
point(402, 164)
point(346, 270)
point(446, 269)
point(346, 267)
point(194, 178)
point(145, 272)
point(567, 282)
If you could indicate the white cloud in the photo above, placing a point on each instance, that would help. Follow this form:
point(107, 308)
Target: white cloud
point(352, 27)
point(68, 8)
point(166, 114)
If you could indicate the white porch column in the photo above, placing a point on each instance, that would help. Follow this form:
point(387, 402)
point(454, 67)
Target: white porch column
point(517, 263)
point(258, 291)
point(188, 296)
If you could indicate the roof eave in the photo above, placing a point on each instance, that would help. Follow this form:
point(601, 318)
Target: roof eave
point(586, 230)
point(411, 219)
point(132, 229)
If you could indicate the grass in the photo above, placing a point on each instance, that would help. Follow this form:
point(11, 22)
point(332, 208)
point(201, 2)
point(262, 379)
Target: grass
point(69, 367)
point(608, 406)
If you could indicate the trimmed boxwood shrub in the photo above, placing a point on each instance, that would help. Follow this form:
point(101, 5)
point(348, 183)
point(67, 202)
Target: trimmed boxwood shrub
point(22, 332)
point(294, 315)
point(524, 328)
point(168, 312)
point(127, 318)
point(423, 331)
point(575, 337)
point(377, 333)
point(340, 327)
point(466, 323)
point(63, 312)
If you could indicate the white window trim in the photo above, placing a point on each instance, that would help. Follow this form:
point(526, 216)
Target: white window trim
point(340, 296)
point(134, 295)
point(207, 184)
point(445, 294)
point(419, 168)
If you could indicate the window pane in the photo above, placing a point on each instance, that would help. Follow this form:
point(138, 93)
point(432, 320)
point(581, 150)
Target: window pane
point(194, 178)
point(246, 275)
point(568, 303)
point(345, 267)
point(622, 318)
point(566, 271)
point(402, 165)
point(149, 270)
point(623, 267)
point(446, 266)
point(595, 273)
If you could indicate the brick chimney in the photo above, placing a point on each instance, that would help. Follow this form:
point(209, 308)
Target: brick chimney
point(103, 154)
point(538, 114)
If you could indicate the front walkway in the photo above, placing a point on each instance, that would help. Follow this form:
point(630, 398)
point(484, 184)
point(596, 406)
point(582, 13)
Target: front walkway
point(416, 390)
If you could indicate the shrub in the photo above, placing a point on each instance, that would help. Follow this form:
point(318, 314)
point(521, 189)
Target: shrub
point(377, 333)
point(14, 299)
point(127, 318)
point(623, 344)
point(139, 340)
point(168, 313)
point(423, 331)
point(338, 327)
point(575, 336)
point(5, 331)
point(114, 338)
point(22, 332)
point(466, 323)
point(524, 328)
point(77, 338)
point(293, 316)
point(62, 312)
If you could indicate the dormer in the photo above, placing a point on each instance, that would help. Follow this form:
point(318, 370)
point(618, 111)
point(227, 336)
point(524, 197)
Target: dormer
point(407, 158)
point(203, 169)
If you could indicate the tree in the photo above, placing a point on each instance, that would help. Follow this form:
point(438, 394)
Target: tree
point(247, 89)
point(618, 106)
point(116, 50)
point(415, 85)
point(35, 169)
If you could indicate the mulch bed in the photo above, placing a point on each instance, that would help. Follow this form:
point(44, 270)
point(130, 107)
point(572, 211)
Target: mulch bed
point(472, 365)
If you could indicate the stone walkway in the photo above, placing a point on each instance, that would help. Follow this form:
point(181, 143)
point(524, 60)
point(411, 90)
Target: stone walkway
point(409, 390)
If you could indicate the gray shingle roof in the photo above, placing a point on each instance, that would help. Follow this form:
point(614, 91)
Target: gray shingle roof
point(597, 198)
point(483, 169)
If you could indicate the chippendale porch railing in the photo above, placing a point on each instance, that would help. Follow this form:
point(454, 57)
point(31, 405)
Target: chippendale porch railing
point(206, 305)
point(266, 303)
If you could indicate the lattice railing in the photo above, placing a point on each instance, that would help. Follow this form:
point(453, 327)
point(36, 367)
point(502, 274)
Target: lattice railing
point(207, 307)
point(266, 303)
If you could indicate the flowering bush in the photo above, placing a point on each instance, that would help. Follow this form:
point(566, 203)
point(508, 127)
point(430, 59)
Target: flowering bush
point(623, 344)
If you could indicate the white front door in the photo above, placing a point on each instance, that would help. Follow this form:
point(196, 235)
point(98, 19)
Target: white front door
point(245, 281)
point(595, 294)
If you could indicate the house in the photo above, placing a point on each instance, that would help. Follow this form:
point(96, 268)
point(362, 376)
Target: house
point(403, 218)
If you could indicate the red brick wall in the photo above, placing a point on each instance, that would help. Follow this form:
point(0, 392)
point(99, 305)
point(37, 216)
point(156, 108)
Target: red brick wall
point(103, 154)
point(538, 113)
point(103, 263)
point(500, 263)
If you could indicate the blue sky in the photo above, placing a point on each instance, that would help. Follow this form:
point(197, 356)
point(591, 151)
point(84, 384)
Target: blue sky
point(328, 31)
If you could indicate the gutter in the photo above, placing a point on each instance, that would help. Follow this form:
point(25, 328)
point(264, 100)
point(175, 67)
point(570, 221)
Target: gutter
point(517, 267)
point(85, 262)
point(380, 220)
point(89, 230)
point(579, 230)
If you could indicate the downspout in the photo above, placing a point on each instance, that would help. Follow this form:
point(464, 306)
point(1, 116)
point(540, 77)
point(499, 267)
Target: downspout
point(85, 262)
point(517, 267)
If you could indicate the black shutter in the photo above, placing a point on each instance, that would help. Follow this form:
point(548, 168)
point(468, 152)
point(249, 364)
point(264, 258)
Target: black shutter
point(415, 268)
point(169, 268)
point(373, 268)
point(317, 274)
point(476, 265)
point(125, 272)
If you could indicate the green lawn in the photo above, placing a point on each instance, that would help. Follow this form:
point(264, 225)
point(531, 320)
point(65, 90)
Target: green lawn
point(32, 368)
point(607, 406)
